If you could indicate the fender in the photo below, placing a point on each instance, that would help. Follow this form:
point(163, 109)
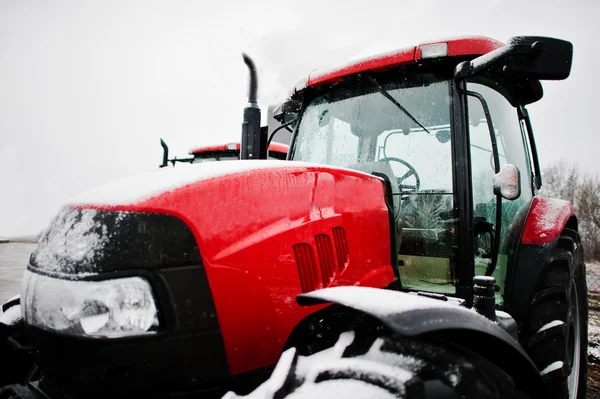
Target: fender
point(546, 219)
point(410, 315)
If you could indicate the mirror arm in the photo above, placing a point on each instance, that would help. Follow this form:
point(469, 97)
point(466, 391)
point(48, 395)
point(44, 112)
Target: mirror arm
point(285, 125)
point(488, 118)
point(487, 61)
point(537, 173)
point(496, 235)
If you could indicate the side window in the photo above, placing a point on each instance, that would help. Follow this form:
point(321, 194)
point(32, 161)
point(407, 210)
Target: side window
point(512, 149)
point(329, 142)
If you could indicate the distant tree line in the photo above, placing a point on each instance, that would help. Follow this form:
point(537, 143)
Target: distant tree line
point(566, 181)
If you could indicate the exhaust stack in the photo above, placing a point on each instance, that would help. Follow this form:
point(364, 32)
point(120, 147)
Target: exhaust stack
point(254, 139)
point(165, 148)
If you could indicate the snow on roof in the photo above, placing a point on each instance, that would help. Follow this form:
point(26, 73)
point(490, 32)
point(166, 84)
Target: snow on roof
point(457, 46)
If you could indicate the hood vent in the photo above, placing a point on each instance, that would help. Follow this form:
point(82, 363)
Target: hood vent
point(333, 260)
point(341, 247)
point(326, 258)
point(307, 267)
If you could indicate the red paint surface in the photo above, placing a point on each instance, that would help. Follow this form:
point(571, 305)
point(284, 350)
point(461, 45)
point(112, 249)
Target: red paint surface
point(246, 243)
point(275, 147)
point(212, 148)
point(456, 47)
point(546, 219)
point(279, 147)
point(380, 61)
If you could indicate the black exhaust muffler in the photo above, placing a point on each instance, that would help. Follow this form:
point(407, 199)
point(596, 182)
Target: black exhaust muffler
point(254, 139)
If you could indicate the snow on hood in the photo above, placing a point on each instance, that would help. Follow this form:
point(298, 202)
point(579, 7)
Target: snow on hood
point(136, 188)
point(75, 239)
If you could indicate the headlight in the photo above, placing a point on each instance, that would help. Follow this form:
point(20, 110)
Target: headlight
point(110, 308)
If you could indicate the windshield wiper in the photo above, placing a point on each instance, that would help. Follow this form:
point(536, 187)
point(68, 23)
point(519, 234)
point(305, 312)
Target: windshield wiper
point(396, 103)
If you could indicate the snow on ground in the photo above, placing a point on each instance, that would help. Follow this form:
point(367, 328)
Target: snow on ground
point(593, 282)
point(11, 316)
point(594, 343)
point(13, 261)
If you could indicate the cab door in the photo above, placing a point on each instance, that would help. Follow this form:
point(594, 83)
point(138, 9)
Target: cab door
point(511, 148)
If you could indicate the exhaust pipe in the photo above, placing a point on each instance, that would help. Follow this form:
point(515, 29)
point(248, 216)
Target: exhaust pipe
point(165, 161)
point(254, 139)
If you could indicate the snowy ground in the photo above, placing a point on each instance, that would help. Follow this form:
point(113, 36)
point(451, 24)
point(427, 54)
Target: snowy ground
point(593, 279)
point(13, 260)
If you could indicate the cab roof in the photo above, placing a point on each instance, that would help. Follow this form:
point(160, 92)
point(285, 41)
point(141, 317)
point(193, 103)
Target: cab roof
point(274, 147)
point(451, 47)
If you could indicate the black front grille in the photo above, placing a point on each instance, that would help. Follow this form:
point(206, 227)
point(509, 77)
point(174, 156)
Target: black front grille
point(84, 241)
point(188, 353)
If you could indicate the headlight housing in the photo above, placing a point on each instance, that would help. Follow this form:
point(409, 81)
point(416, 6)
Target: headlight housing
point(100, 309)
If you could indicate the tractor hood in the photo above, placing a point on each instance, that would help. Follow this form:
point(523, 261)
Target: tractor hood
point(138, 189)
point(171, 246)
point(159, 218)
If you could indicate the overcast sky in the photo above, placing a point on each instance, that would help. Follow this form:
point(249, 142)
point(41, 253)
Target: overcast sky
point(87, 88)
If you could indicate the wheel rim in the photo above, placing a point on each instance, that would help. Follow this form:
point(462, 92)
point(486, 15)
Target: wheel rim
point(573, 380)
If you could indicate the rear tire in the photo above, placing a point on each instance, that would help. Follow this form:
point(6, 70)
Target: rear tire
point(362, 366)
point(555, 331)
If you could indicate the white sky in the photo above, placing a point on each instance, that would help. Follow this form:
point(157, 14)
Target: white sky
point(87, 88)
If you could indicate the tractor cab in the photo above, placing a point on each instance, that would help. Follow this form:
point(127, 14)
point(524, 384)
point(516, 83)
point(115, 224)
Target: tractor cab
point(448, 130)
point(366, 131)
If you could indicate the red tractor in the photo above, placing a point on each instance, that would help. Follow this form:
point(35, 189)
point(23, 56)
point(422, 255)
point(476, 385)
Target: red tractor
point(407, 211)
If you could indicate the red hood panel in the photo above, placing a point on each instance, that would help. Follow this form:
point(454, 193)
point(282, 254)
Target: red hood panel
point(140, 188)
point(250, 218)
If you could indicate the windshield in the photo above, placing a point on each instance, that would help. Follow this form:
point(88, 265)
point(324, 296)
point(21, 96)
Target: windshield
point(403, 132)
point(345, 130)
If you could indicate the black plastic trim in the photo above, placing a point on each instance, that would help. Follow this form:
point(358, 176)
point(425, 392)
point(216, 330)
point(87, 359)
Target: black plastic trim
point(8, 304)
point(117, 240)
point(537, 173)
point(465, 263)
point(389, 203)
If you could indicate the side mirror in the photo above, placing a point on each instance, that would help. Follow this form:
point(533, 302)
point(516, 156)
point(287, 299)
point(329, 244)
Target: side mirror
point(507, 182)
point(287, 111)
point(535, 57)
point(550, 59)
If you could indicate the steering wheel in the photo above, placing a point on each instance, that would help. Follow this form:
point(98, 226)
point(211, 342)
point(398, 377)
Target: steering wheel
point(411, 172)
